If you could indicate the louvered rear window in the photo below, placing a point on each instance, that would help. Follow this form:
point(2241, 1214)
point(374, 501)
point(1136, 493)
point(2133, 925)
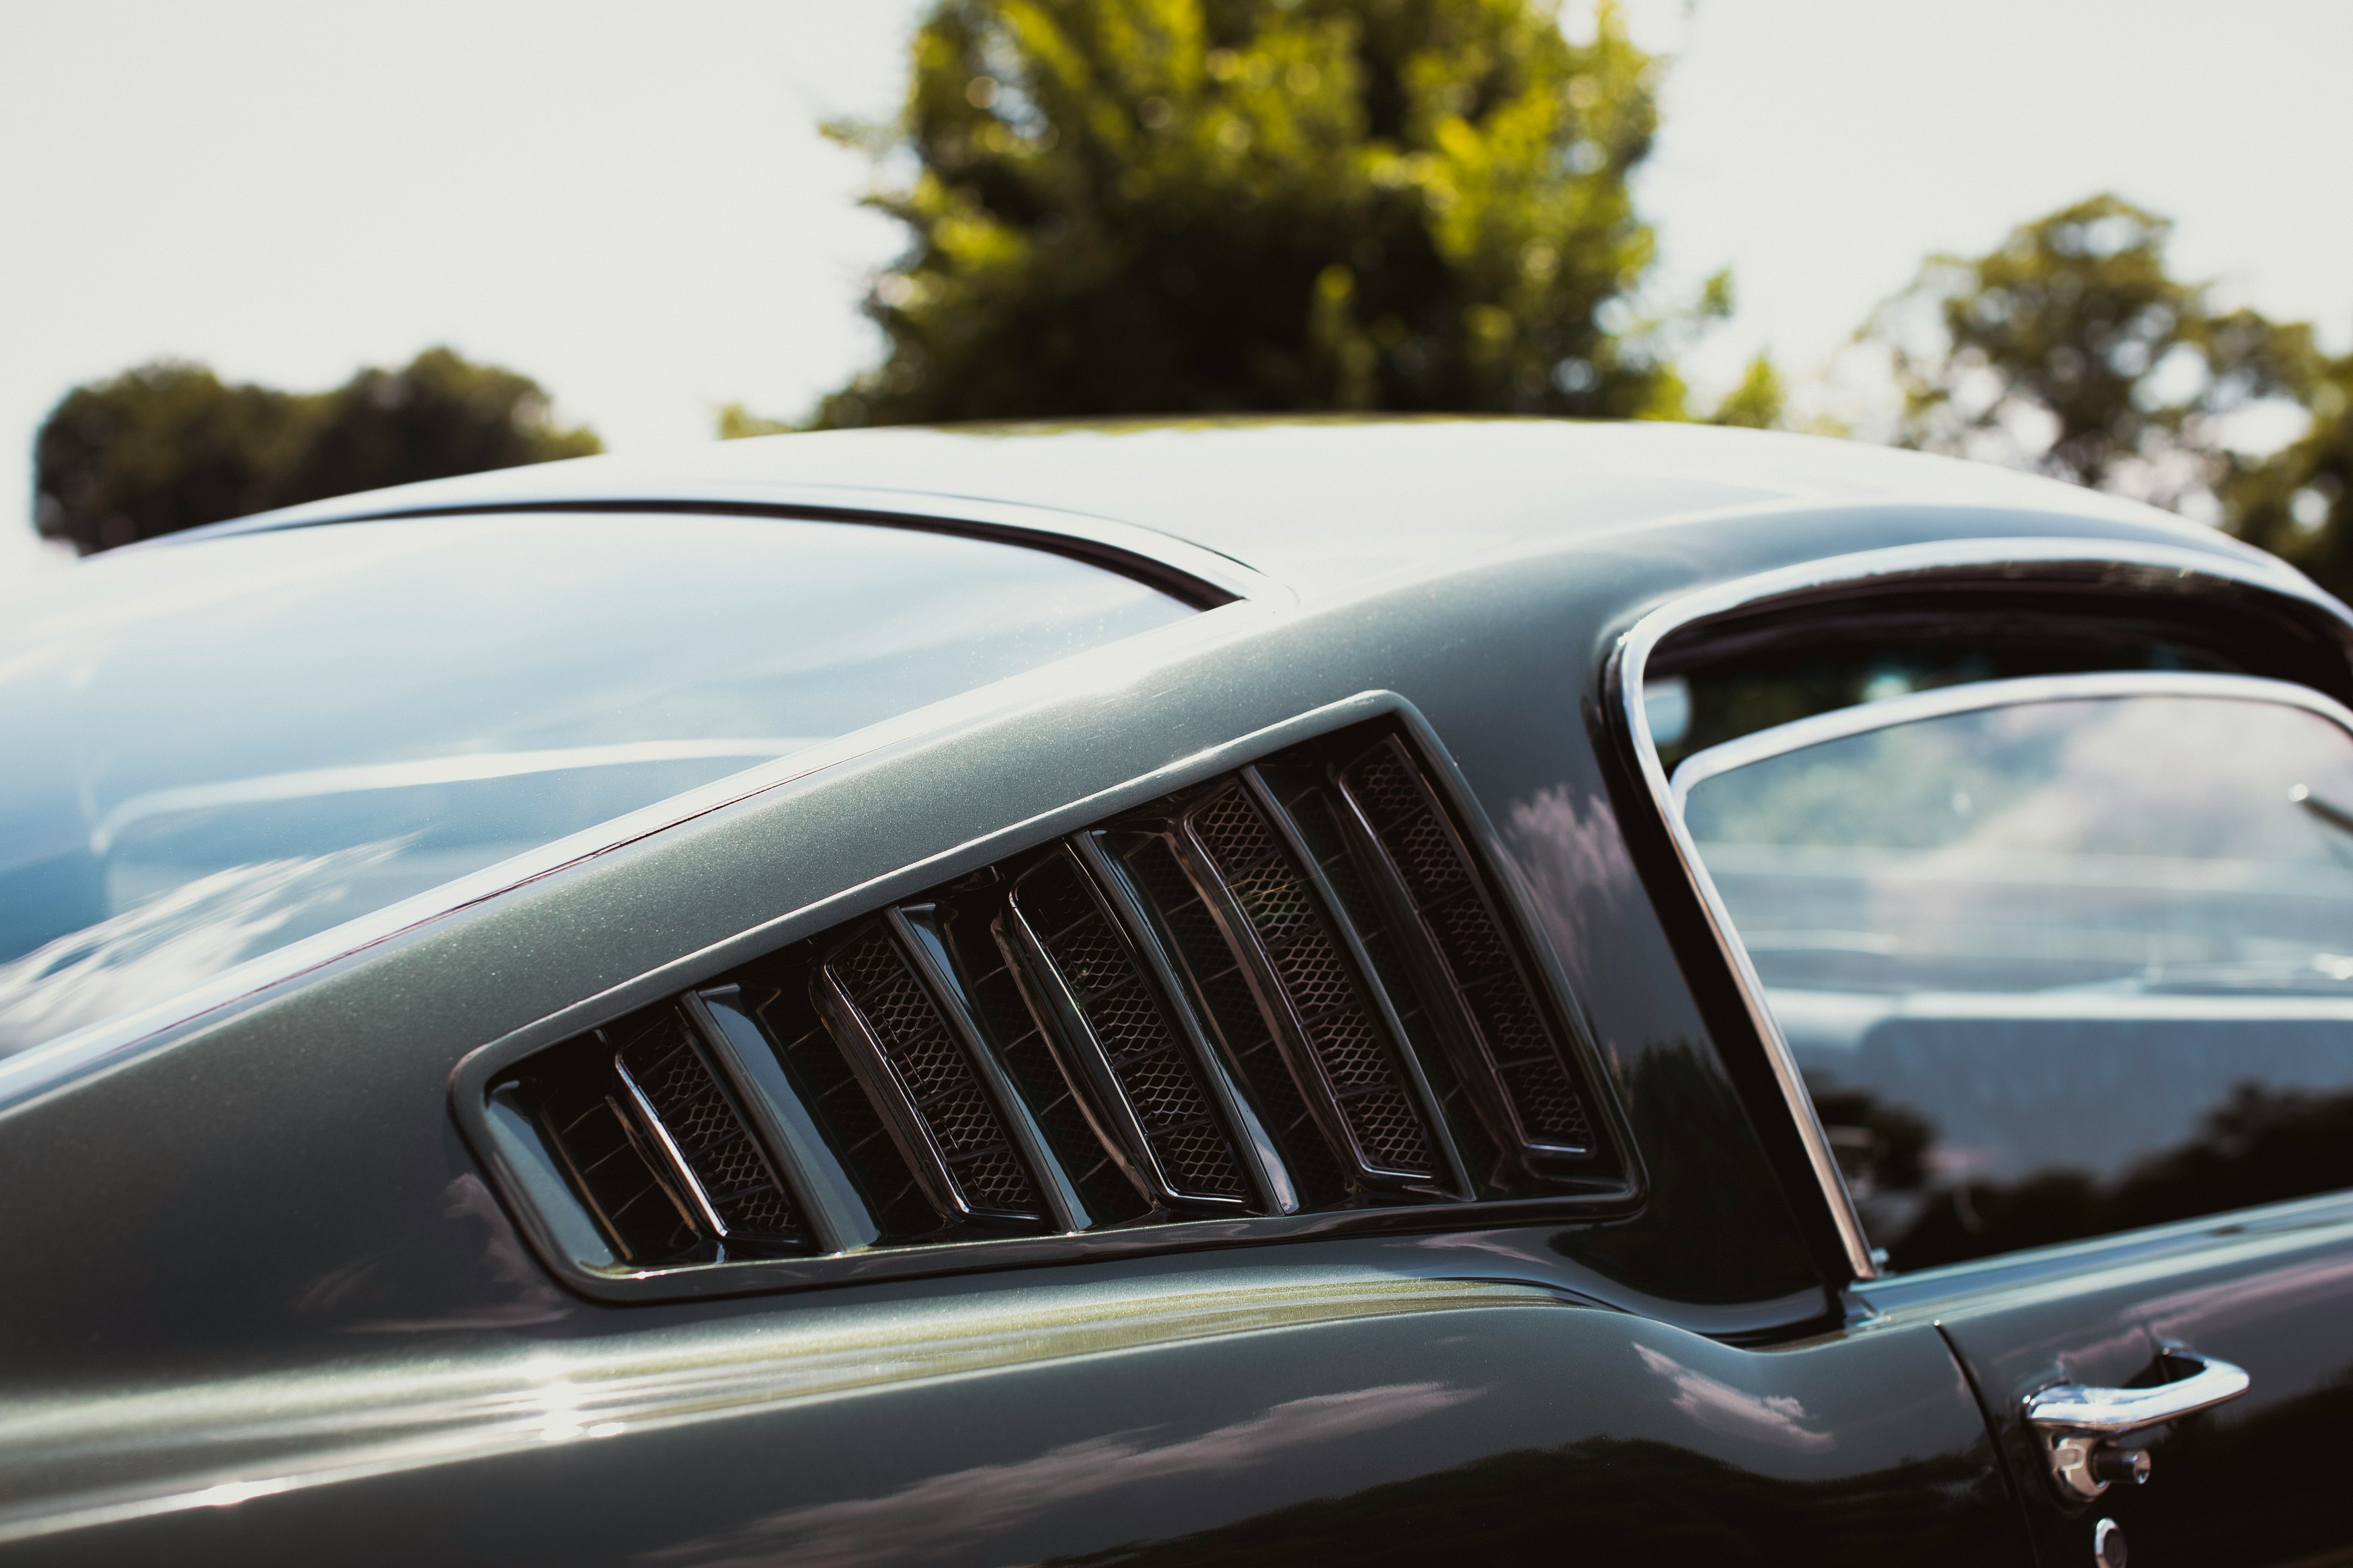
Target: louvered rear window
point(1290, 990)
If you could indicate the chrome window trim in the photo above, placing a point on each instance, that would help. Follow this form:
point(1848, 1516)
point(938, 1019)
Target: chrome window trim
point(672, 1155)
point(1642, 639)
point(1917, 707)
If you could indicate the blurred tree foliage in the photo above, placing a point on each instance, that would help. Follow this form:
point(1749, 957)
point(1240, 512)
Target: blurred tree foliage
point(1757, 401)
point(2072, 348)
point(170, 446)
point(735, 421)
point(2299, 502)
point(1206, 205)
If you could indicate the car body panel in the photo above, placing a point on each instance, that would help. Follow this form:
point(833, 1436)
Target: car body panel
point(2258, 1480)
point(270, 1184)
point(1279, 1415)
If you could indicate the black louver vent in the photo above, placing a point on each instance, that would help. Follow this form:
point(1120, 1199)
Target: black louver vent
point(1069, 1125)
point(950, 1130)
point(1220, 978)
point(652, 1142)
point(1432, 870)
point(1289, 992)
point(730, 1184)
point(1357, 1067)
point(1154, 1080)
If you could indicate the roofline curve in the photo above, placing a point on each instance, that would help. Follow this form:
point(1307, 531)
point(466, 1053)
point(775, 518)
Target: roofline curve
point(1199, 575)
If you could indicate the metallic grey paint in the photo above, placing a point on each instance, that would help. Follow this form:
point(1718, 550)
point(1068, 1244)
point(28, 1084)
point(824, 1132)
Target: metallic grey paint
point(259, 1250)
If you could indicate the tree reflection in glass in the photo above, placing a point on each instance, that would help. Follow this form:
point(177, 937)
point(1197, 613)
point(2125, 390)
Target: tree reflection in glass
point(2056, 965)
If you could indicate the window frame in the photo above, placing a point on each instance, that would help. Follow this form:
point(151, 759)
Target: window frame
point(1945, 701)
point(2114, 563)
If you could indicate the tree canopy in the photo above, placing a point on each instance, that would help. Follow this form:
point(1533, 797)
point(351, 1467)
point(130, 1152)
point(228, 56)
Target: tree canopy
point(2071, 348)
point(169, 446)
point(1121, 207)
point(2298, 503)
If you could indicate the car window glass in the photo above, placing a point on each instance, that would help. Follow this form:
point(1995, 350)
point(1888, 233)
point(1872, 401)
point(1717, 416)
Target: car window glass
point(214, 749)
point(1711, 700)
point(2054, 968)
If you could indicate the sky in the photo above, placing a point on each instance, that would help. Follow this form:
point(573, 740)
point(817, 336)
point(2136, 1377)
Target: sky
point(631, 203)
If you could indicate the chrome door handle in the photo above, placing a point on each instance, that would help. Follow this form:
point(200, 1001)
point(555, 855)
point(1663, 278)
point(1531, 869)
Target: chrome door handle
point(2080, 1423)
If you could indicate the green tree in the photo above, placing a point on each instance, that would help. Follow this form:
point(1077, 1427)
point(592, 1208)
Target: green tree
point(1205, 205)
point(735, 421)
point(156, 449)
point(438, 415)
point(170, 446)
point(1759, 401)
point(2071, 348)
point(2298, 503)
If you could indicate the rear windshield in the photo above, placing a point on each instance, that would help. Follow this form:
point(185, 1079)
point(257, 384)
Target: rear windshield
point(216, 749)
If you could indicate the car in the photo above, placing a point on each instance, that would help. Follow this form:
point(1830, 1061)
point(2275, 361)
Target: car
point(1255, 991)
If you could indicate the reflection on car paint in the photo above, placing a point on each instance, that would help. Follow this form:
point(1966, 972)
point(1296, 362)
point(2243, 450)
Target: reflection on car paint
point(222, 749)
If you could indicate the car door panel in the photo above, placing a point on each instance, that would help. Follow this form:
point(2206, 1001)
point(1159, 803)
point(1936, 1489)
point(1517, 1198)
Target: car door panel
point(2259, 1481)
point(1418, 1421)
point(2057, 957)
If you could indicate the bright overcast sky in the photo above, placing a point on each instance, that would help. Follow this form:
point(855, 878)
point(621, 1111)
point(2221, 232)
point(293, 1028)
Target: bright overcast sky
point(630, 202)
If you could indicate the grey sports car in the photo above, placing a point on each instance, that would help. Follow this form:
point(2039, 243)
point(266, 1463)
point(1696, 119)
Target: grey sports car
point(1275, 992)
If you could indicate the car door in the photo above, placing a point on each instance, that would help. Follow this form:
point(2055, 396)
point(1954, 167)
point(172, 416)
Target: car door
point(2067, 963)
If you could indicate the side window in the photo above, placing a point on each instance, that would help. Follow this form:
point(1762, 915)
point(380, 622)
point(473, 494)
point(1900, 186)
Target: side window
point(2058, 957)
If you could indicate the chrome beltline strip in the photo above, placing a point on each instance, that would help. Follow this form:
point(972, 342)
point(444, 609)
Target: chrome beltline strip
point(1849, 571)
point(211, 1445)
point(1841, 723)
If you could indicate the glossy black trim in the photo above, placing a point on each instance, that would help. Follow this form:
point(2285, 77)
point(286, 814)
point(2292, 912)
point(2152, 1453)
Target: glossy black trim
point(1254, 1147)
point(919, 936)
point(1102, 883)
point(1462, 1038)
point(822, 1192)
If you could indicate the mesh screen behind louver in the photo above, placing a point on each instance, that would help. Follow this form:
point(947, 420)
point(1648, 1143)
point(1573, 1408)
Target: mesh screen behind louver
point(929, 1074)
point(1289, 990)
point(1155, 1075)
point(1431, 868)
point(1355, 1061)
point(739, 1195)
point(651, 1139)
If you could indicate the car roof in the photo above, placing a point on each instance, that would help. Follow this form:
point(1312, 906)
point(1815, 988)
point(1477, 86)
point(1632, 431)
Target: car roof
point(1312, 501)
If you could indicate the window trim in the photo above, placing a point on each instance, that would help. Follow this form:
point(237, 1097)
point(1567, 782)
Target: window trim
point(2014, 557)
point(1843, 723)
